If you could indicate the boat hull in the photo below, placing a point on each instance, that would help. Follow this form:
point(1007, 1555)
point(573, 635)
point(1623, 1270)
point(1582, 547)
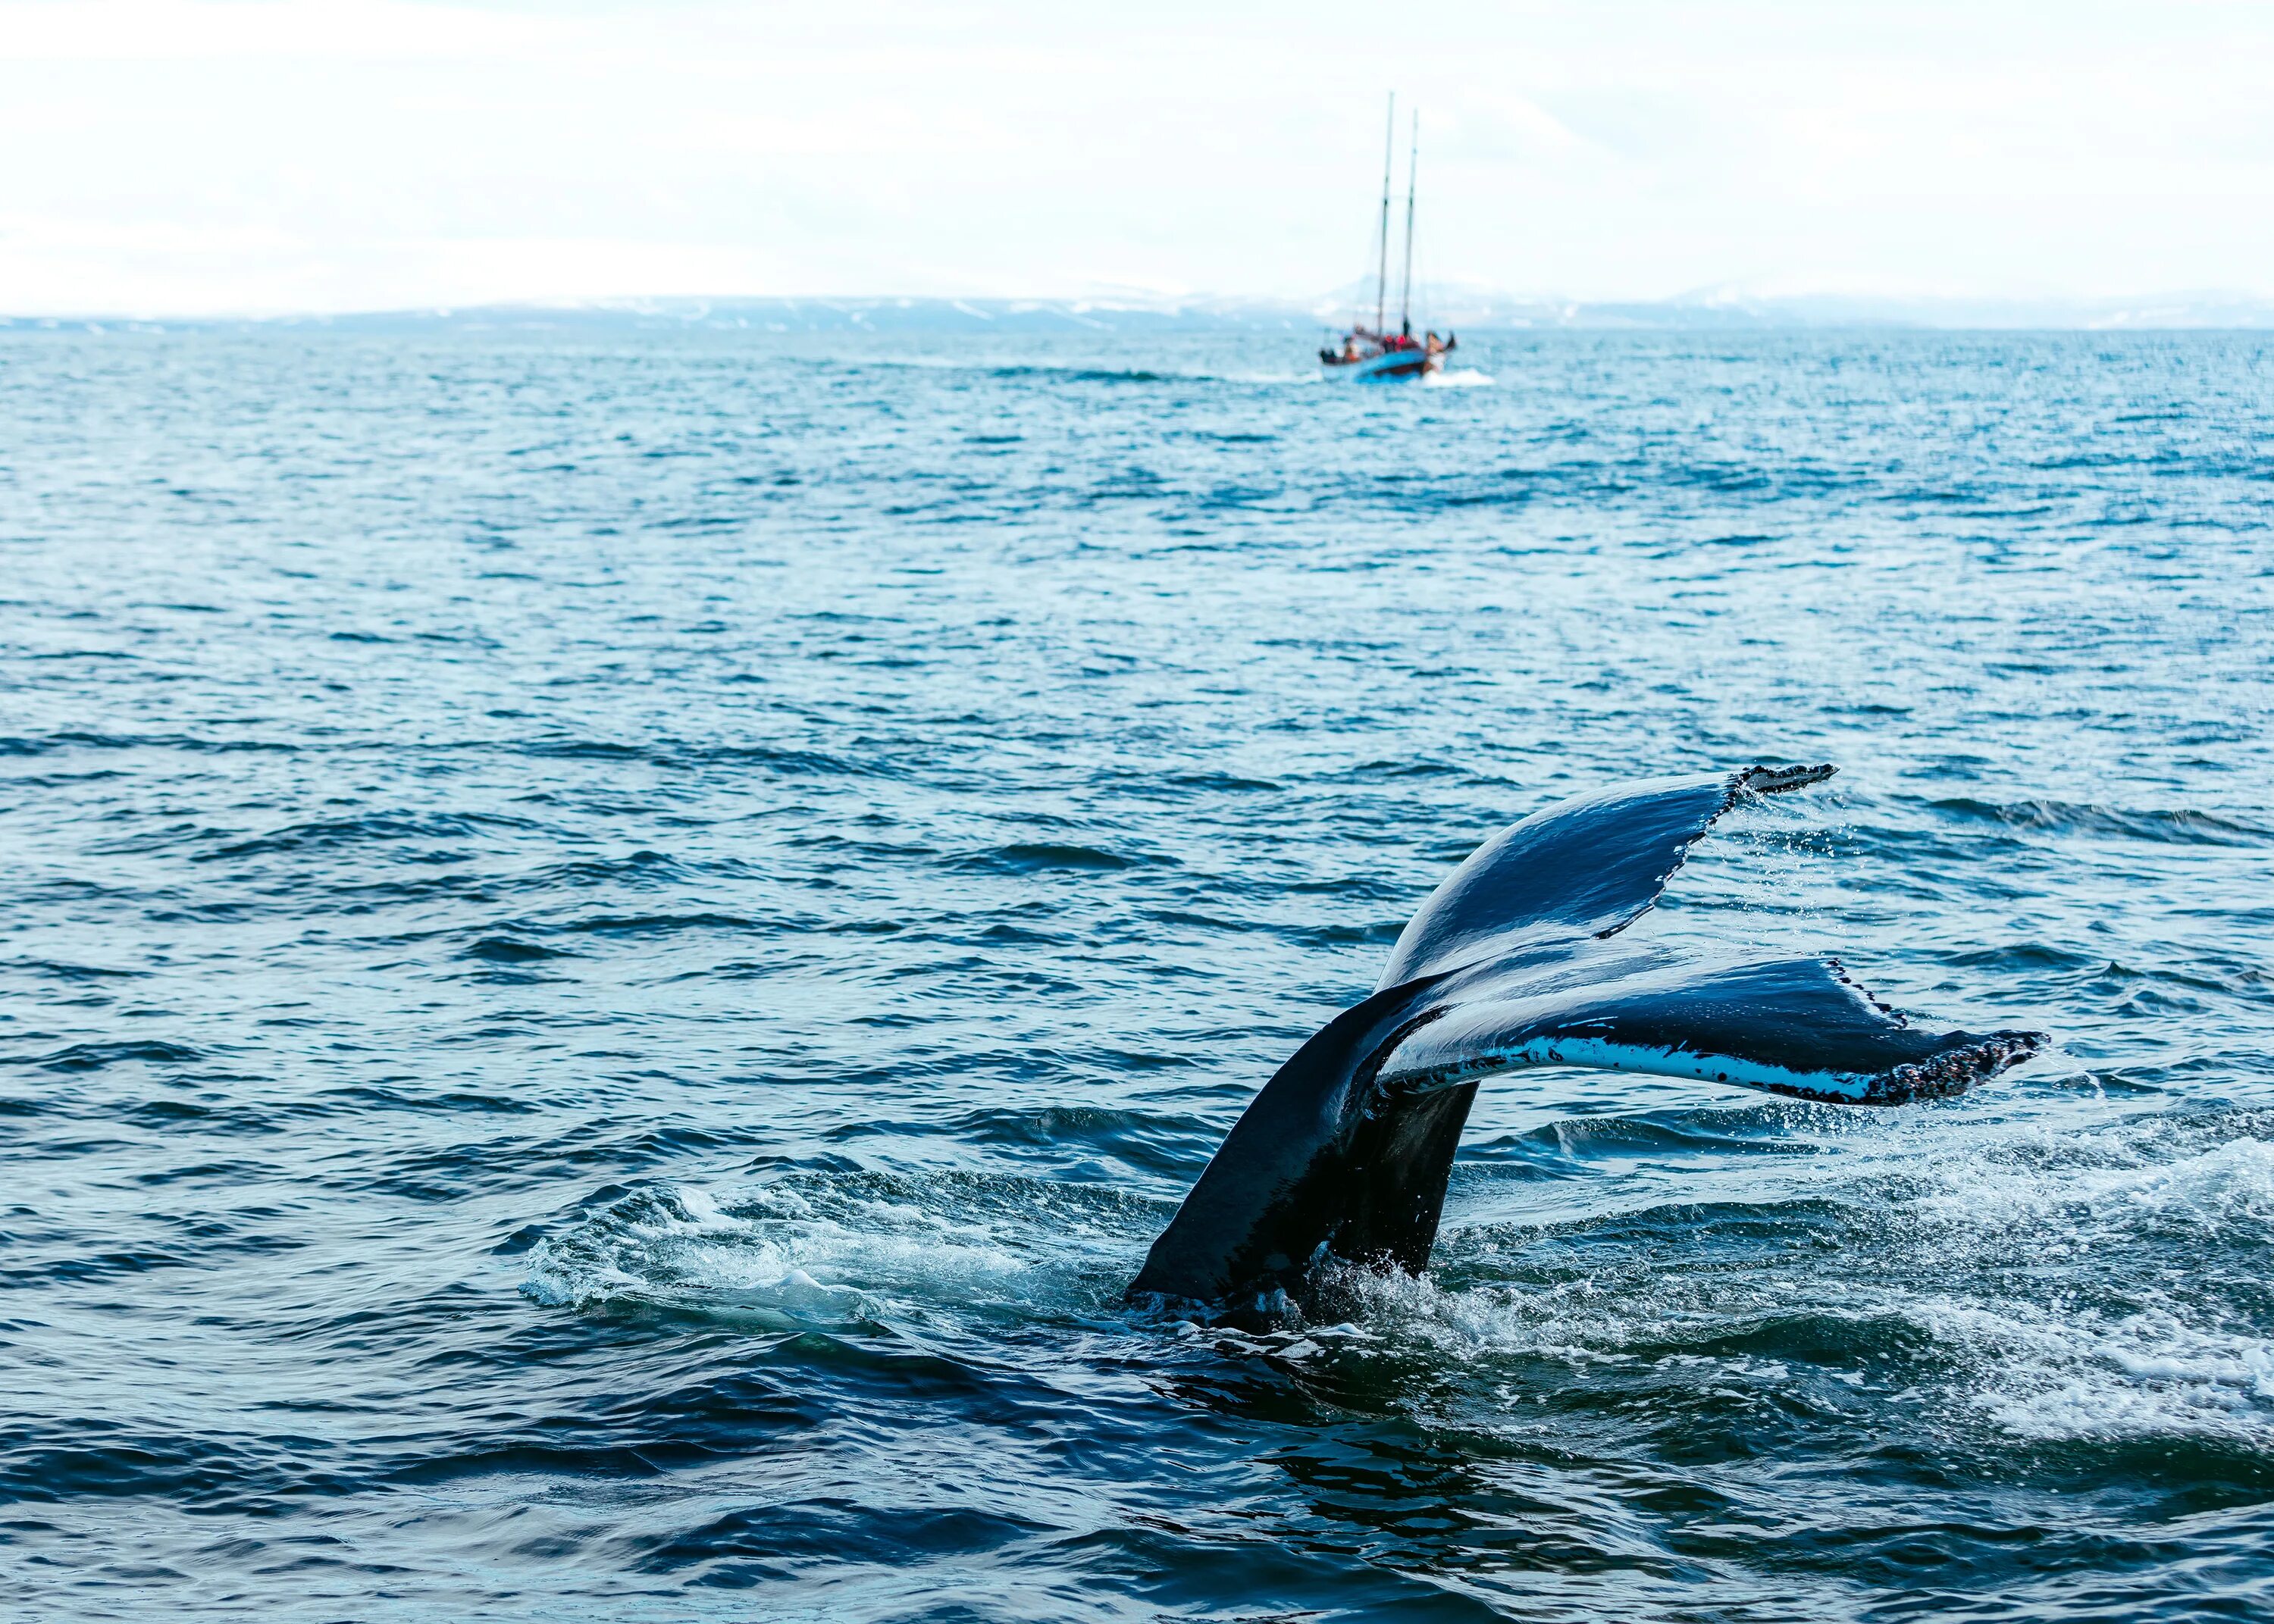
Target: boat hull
point(1391, 366)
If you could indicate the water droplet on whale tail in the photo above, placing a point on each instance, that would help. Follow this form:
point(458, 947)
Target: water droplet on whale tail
point(1516, 959)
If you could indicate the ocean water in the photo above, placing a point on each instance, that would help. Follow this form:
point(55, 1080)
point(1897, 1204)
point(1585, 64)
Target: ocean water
point(614, 949)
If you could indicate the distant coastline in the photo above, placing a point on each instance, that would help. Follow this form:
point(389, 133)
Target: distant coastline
point(1467, 310)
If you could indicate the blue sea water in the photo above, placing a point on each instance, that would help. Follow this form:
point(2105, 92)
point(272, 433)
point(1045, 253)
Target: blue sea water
point(613, 949)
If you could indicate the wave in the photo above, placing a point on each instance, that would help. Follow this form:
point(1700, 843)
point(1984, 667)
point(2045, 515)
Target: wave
point(658, 924)
point(786, 759)
point(332, 834)
point(77, 740)
point(511, 950)
point(1039, 857)
point(2183, 826)
point(95, 1056)
point(61, 971)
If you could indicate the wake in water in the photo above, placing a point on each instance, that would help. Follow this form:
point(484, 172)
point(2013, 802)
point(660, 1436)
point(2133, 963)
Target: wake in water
point(1025, 364)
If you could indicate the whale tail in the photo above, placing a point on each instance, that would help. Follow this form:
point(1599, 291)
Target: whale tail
point(1515, 961)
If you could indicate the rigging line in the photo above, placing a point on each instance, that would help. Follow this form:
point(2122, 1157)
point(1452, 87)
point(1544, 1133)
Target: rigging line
point(1413, 168)
point(1382, 269)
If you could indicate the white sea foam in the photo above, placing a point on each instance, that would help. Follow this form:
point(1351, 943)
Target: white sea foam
point(2109, 1180)
point(2083, 1360)
point(1991, 1280)
point(2037, 1371)
point(820, 1254)
point(2042, 1374)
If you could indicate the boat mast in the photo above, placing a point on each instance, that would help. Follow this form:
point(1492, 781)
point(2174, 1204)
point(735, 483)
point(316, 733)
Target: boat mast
point(1412, 164)
point(1382, 272)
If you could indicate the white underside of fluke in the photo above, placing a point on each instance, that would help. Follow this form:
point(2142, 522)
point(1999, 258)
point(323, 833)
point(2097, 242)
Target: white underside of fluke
point(1596, 1055)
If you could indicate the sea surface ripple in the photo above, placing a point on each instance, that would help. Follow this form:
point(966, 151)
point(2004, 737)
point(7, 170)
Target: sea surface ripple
point(615, 948)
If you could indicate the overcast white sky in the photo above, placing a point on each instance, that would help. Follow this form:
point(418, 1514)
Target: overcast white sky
point(175, 156)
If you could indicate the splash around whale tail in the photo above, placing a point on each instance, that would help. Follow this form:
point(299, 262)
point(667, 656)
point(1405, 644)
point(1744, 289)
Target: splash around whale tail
point(1516, 960)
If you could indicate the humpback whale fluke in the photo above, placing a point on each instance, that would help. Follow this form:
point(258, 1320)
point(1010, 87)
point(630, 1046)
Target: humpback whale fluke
point(1517, 961)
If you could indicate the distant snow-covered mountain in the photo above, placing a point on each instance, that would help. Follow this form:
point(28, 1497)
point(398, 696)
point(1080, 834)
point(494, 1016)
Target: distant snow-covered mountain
point(1457, 307)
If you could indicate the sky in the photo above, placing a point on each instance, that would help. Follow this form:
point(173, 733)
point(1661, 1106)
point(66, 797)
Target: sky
point(177, 157)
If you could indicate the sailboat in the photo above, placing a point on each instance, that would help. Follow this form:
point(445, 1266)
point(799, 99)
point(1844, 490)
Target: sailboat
point(1375, 354)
